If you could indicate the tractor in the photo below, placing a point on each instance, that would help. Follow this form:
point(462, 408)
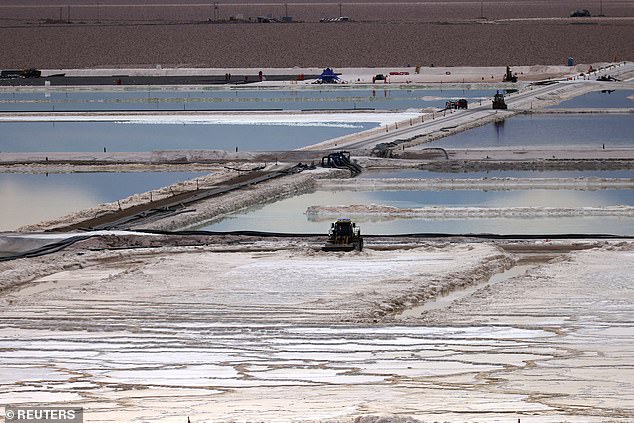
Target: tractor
point(344, 235)
point(498, 102)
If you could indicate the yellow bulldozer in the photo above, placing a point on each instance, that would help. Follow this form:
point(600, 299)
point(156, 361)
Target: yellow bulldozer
point(344, 235)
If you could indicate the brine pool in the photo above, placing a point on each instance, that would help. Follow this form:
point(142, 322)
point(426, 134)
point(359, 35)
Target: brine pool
point(289, 215)
point(32, 198)
point(525, 131)
point(127, 137)
point(548, 131)
point(603, 99)
point(222, 99)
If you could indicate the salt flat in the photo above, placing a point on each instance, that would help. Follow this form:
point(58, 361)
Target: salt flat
point(295, 334)
point(256, 329)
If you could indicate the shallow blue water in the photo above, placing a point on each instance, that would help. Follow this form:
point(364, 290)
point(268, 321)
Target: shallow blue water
point(543, 131)
point(95, 136)
point(31, 198)
point(289, 215)
point(340, 98)
point(604, 99)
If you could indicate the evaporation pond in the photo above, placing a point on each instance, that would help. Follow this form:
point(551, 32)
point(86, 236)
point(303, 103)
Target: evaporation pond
point(32, 198)
point(289, 216)
point(306, 98)
point(548, 131)
point(604, 99)
point(127, 137)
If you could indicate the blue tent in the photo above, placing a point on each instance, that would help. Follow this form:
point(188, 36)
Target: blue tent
point(328, 76)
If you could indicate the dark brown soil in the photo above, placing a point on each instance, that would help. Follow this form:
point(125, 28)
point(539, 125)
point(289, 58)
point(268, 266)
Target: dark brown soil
point(303, 10)
point(443, 33)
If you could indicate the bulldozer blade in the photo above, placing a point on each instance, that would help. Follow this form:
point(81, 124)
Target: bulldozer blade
point(339, 247)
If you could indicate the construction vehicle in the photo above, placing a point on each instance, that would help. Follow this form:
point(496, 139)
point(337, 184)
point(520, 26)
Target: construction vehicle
point(498, 102)
point(607, 78)
point(509, 76)
point(341, 160)
point(20, 73)
point(580, 13)
point(344, 235)
point(457, 104)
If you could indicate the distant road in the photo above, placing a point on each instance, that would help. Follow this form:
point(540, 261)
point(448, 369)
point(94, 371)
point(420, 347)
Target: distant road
point(452, 119)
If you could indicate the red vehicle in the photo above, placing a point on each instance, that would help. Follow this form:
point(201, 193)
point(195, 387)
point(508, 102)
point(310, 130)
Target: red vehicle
point(457, 104)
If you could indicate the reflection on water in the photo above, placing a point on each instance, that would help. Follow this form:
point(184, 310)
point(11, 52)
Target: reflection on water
point(95, 136)
point(29, 199)
point(603, 99)
point(337, 98)
point(288, 215)
point(544, 131)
